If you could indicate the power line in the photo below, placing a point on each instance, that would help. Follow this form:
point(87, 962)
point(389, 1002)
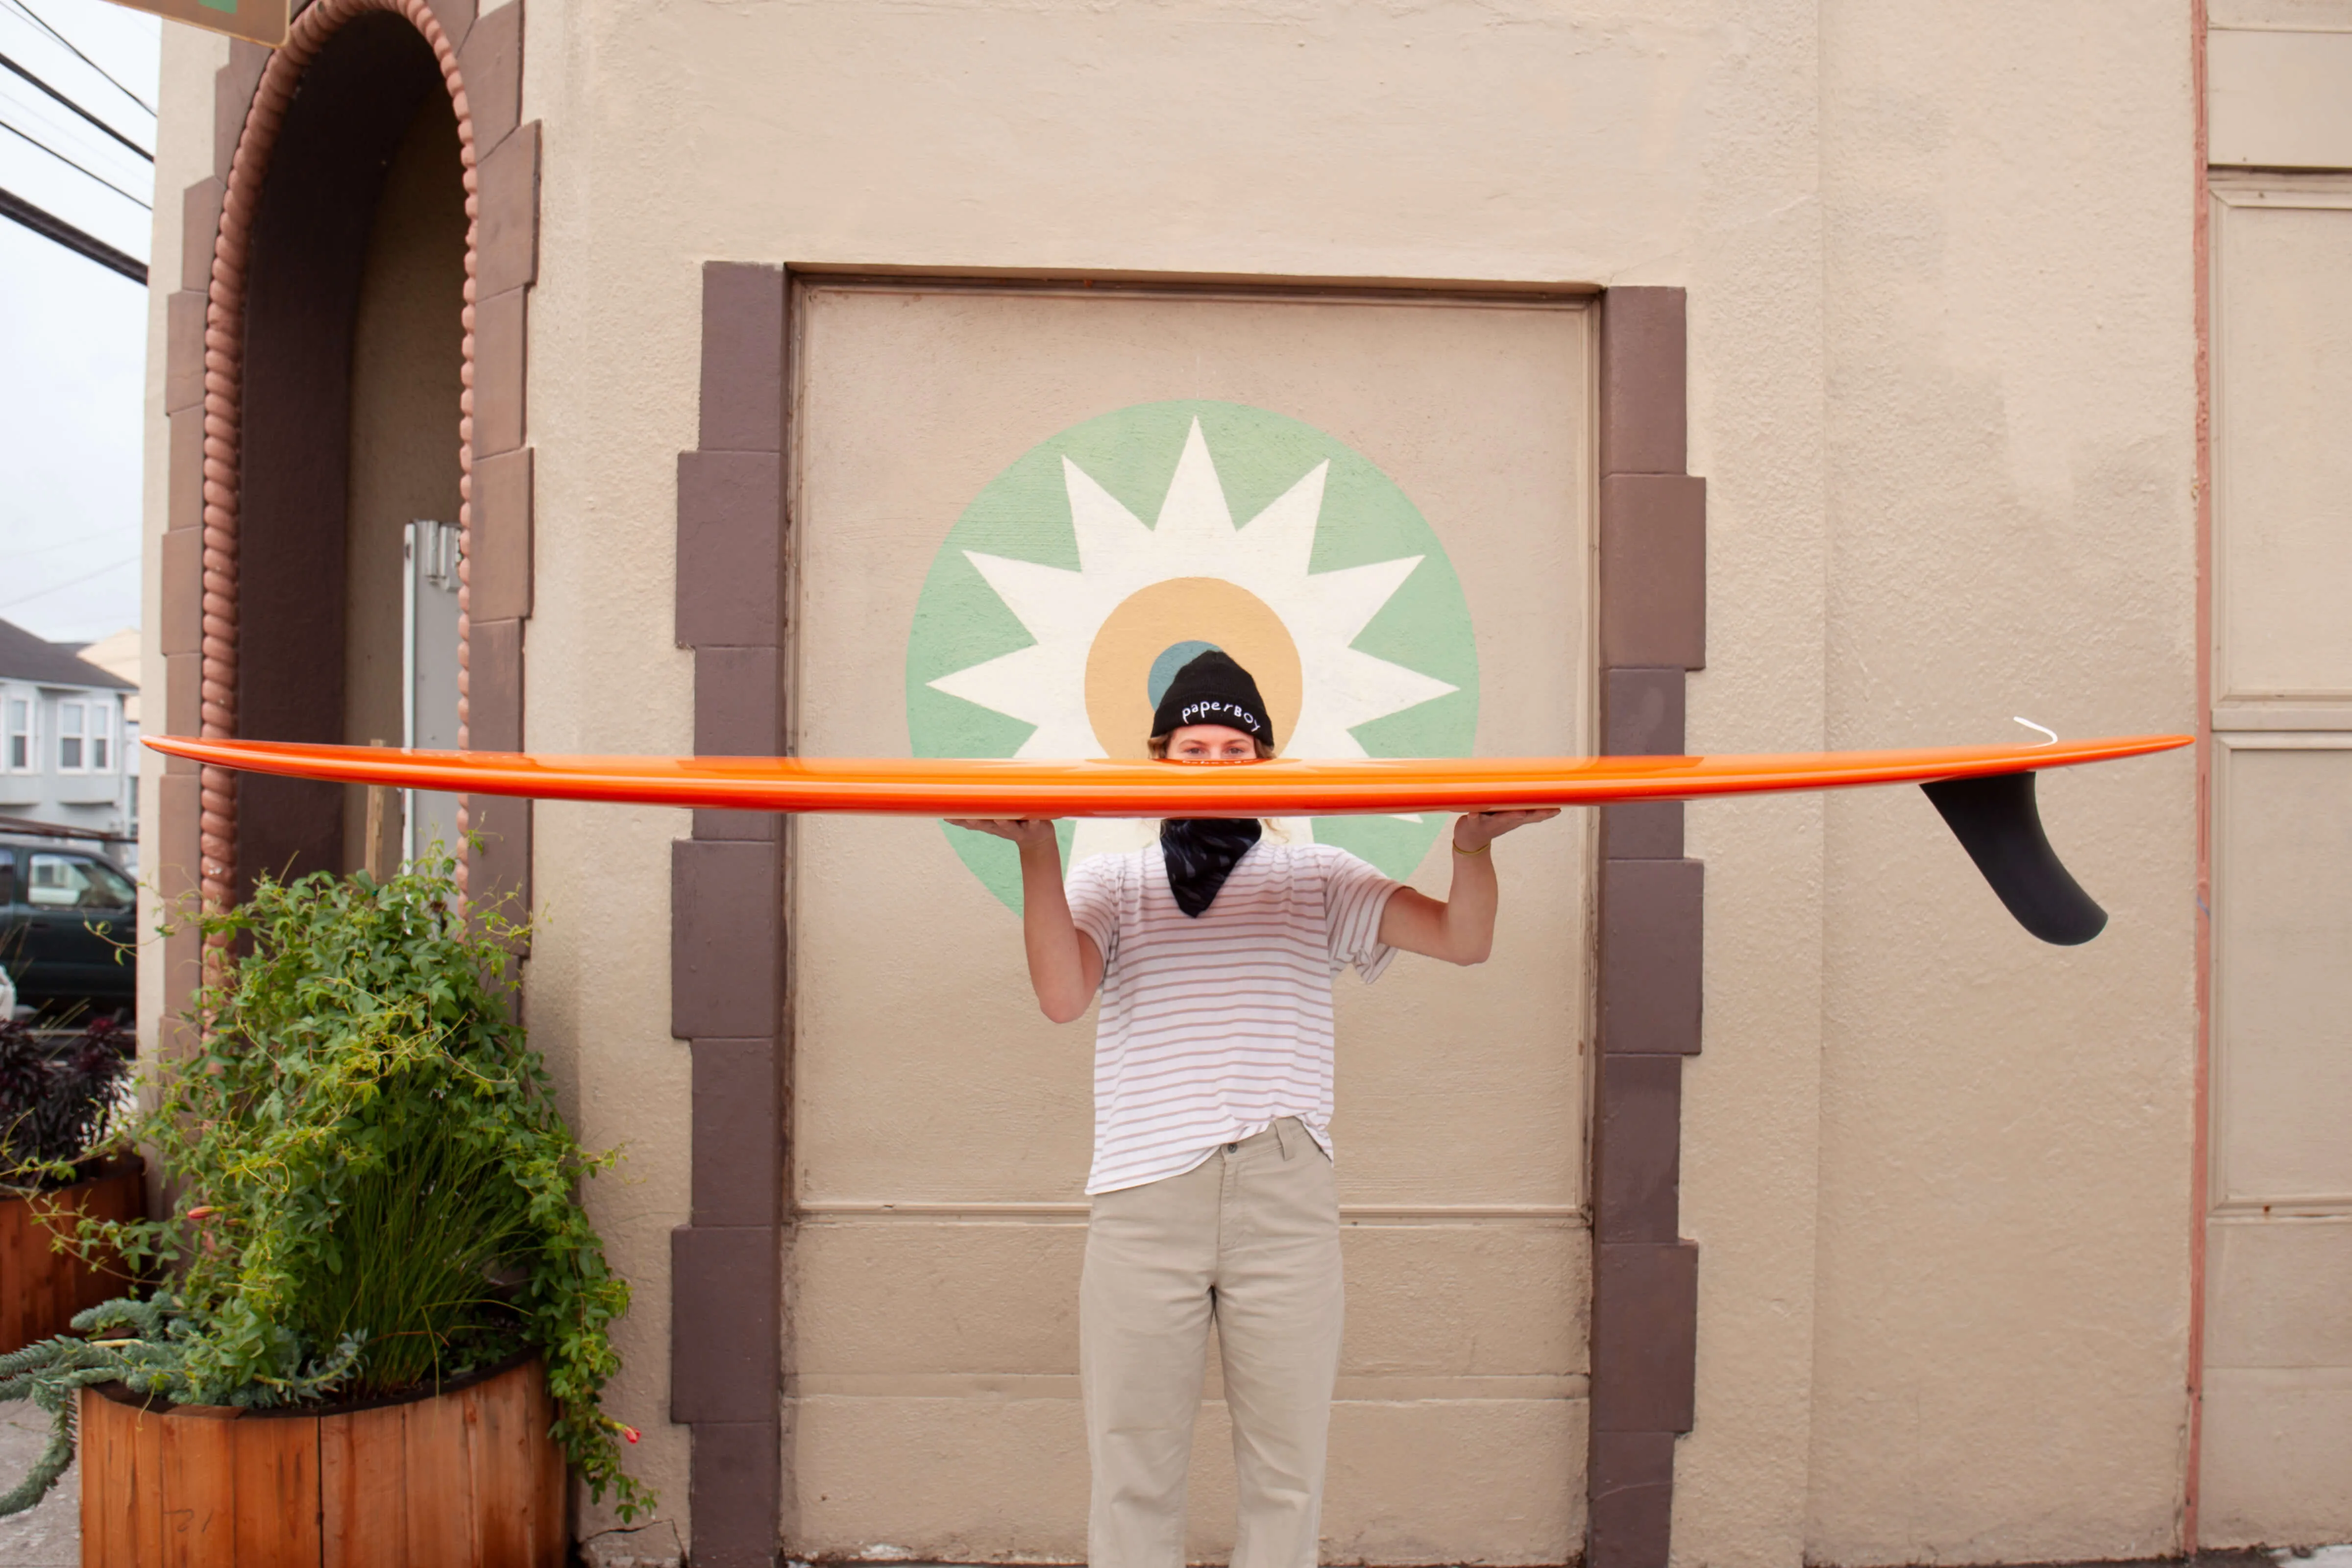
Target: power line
point(48, 226)
point(78, 108)
point(33, 17)
point(70, 164)
point(70, 583)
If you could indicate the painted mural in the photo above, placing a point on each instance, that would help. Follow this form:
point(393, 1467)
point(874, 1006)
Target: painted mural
point(1054, 614)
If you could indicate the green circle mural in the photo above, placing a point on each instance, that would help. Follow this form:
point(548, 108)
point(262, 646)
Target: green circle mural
point(1086, 573)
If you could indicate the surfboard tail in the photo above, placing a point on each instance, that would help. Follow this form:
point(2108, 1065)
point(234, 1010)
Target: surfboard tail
point(1998, 821)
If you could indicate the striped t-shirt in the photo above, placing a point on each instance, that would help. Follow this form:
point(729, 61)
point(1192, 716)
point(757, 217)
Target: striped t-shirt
point(1213, 1028)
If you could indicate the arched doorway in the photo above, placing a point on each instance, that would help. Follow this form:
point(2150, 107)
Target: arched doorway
point(338, 268)
point(354, 302)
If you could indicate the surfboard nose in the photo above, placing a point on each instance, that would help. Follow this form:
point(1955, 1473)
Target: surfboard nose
point(1998, 821)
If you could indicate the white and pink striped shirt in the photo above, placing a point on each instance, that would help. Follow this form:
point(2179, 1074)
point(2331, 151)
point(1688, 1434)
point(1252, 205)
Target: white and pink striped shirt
point(1213, 1028)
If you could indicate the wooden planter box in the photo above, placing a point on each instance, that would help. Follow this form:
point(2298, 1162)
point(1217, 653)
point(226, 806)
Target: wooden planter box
point(41, 1289)
point(465, 1478)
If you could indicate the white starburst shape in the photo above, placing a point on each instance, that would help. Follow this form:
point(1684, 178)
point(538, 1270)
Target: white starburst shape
point(1194, 536)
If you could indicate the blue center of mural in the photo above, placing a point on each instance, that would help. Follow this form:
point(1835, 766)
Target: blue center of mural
point(1175, 657)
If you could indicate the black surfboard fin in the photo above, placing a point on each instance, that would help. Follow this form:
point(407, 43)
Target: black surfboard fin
point(1997, 822)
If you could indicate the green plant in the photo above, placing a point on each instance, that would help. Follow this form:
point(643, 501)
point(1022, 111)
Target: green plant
point(151, 1359)
point(375, 1190)
point(57, 1104)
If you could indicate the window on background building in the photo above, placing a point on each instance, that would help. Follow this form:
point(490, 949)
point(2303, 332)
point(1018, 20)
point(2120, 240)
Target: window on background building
point(73, 719)
point(20, 735)
point(101, 738)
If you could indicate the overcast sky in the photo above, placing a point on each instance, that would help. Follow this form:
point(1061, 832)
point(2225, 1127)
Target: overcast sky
point(72, 335)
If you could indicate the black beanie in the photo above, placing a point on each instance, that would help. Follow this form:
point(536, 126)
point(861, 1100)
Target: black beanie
point(1213, 690)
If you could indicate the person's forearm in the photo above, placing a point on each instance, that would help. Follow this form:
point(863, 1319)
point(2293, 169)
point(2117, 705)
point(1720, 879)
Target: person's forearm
point(1469, 918)
point(1056, 967)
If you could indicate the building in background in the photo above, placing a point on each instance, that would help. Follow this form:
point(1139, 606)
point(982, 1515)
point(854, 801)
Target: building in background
point(1725, 375)
point(67, 728)
point(118, 654)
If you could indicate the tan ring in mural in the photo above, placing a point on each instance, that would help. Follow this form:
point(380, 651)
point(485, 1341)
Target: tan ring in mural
point(1151, 621)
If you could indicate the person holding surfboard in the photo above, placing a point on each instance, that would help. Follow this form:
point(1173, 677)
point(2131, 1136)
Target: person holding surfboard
point(1212, 1182)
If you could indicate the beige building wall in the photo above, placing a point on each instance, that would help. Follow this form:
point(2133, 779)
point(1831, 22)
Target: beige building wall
point(1942, 334)
point(2276, 1462)
point(2006, 1130)
point(183, 154)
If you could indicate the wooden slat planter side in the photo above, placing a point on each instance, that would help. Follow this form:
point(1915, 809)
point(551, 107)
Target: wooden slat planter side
point(41, 1289)
point(466, 1479)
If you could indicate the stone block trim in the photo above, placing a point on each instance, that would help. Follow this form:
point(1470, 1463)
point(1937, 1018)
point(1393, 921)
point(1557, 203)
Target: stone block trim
point(726, 924)
point(1644, 1323)
point(736, 1493)
point(205, 338)
point(1651, 936)
point(1652, 573)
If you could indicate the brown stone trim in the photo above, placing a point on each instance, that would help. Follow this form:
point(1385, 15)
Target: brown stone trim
point(1651, 939)
point(507, 224)
point(183, 610)
point(252, 95)
point(738, 693)
point(200, 217)
point(1644, 1326)
point(502, 542)
point(738, 1125)
point(727, 933)
point(743, 376)
point(183, 350)
point(726, 960)
point(500, 861)
point(729, 554)
point(1644, 353)
point(233, 88)
point(174, 876)
point(1652, 570)
point(1637, 1148)
point(1641, 716)
point(183, 506)
point(1631, 1497)
point(457, 17)
point(737, 1494)
point(501, 369)
point(183, 673)
point(491, 57)
point(722, 1279)
point(498, 685)
point(1652, 610)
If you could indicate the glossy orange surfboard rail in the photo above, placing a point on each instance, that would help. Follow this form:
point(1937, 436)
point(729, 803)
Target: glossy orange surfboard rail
point(1282, 787)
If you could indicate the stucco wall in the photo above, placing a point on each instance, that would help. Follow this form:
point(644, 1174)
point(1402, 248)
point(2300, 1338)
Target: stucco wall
point(1941, 334)
point(2005, 1129)
point(183, 155)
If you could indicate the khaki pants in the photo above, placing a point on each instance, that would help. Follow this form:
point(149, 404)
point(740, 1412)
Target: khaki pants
point(1250, 1238)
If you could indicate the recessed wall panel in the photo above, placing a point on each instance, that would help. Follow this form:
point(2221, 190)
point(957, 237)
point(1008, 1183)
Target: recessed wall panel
point(1010, 508)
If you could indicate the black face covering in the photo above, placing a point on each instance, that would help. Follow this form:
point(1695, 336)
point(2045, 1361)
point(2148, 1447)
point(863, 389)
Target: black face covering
point(1202, 851)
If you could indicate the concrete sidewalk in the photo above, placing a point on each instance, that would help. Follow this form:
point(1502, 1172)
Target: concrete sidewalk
point(49, 1535)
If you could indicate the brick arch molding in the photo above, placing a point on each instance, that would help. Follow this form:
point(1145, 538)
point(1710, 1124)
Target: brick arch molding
point(224, 387)
point(480, 61)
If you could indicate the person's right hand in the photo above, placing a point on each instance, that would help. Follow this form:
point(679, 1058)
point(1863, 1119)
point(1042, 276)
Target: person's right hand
point(1028, 832)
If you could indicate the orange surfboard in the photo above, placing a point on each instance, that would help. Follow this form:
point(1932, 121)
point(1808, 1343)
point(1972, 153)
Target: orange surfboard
point(1984, 793)
point(991, 787)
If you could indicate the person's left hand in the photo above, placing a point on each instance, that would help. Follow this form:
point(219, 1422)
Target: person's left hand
point(1474, 830)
